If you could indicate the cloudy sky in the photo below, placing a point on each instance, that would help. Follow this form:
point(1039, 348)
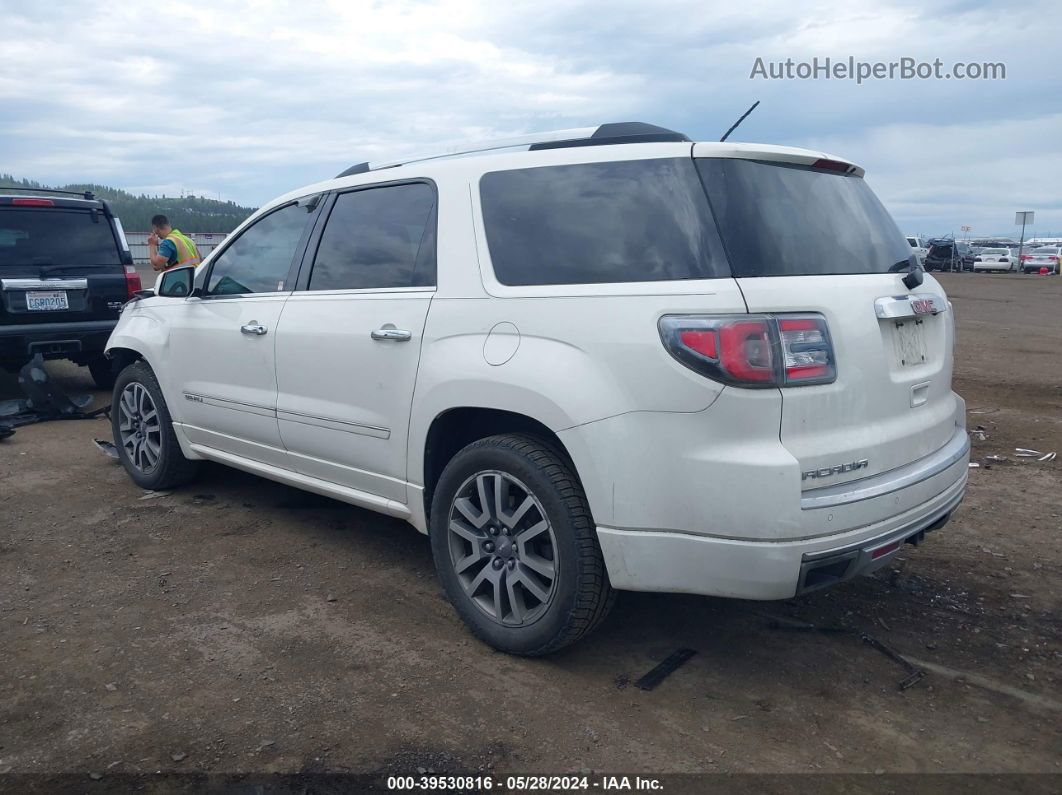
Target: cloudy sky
point(247, 100)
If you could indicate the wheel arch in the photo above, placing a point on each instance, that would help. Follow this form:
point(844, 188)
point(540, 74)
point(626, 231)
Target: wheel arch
point(123, 357)
point(454, 428)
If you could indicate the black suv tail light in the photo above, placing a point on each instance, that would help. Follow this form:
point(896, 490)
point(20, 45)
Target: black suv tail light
point(132, 281)
point(753, 351)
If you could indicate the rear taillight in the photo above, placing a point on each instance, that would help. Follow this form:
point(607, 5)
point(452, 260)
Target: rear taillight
point(752, 351)
point(807, 350)
point(132, 281)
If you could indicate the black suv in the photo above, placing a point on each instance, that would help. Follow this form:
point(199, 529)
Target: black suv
point(65, 272)
point(949, 255)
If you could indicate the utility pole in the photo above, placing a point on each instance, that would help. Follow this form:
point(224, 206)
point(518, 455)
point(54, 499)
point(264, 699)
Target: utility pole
point(1022, 218)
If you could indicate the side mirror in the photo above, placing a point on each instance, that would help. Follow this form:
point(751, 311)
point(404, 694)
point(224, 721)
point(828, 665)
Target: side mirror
point(176, 282)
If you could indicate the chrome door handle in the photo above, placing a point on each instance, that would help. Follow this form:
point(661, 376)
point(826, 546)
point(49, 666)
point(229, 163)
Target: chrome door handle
point(391, 333)
point(254, 329)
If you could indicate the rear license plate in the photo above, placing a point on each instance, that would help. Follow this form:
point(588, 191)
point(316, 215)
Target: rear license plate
point(47, 302)
point(910, 338)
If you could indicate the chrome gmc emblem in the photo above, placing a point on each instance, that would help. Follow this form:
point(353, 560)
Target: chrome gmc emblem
point(826, 472)
point(923, 306)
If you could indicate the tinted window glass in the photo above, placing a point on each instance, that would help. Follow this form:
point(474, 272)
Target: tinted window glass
point(56, 237)
point(375, 238)
point(258, 260)
point(628, 221)
point(779, 220)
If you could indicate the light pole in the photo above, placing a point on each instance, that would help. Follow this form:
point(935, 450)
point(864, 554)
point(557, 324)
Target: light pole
point(1024, 217)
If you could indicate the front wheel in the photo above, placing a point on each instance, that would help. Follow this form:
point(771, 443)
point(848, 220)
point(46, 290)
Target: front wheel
point(516, 548)
point(143, 431)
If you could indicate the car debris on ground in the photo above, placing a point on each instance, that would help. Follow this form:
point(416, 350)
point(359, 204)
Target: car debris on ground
point(915, 674)
point(107, 448)
point(1025, 452)
point(674, 661)
point(44, 401)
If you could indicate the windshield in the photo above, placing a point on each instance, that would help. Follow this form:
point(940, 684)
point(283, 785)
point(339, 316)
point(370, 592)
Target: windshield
point(998, 252)
point(782, 220)
point(1045, 250)
point(36, 237)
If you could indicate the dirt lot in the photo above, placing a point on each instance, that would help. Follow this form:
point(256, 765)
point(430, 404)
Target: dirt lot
point(238, 625)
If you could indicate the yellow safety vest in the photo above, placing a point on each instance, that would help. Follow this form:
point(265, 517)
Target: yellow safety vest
point(187, 253)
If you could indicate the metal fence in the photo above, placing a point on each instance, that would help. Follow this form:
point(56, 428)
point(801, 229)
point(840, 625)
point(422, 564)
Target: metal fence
point(204, 241)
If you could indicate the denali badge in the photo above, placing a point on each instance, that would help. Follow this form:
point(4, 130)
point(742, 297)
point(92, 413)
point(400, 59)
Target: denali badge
point(826, 472)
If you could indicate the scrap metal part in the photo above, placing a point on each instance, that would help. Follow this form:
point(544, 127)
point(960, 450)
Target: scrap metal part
point(44, 401)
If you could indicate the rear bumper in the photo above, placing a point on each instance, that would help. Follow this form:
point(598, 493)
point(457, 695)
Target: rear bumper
point(655, 560)
point(55, 340)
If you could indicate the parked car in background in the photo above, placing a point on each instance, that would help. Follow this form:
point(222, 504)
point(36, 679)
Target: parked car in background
point(726, 377)
point(65, 272)
point(1049, 257)
point(995, 260)
point(918, 245)
point(946, 254)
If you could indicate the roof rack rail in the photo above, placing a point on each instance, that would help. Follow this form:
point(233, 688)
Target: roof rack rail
point(629, 132)
point(84, 194)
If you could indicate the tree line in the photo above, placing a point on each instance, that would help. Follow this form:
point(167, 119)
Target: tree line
point(188, 213)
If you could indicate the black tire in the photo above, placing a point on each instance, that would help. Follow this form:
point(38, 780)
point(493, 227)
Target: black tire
point(171, 468)
point(581, 594)
point(104, 372)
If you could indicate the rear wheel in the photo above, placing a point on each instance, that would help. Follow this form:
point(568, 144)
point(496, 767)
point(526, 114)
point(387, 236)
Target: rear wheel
point(516, 548)
point(143, 431)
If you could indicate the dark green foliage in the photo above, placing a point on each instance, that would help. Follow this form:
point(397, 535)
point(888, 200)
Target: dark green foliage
point(190, 213)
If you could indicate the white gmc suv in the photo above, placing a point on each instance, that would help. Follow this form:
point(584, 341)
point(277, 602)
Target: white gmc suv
point(590, 360)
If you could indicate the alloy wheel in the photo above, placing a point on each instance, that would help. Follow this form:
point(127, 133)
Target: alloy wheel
point(503, 548)
point(139, 427)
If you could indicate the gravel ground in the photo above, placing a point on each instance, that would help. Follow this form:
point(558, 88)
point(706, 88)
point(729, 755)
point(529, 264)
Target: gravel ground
point(239, 626)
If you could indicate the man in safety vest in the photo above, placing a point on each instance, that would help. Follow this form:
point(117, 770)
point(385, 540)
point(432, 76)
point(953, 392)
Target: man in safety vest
point(168, 248)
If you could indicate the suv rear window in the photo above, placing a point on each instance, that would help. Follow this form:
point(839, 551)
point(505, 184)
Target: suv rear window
point(56, 237)
point(782, 220)
point(594, 223)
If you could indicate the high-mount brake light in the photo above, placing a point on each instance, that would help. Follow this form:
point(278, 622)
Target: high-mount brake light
point(752, 351)
point(833, 165)
point(33, 202)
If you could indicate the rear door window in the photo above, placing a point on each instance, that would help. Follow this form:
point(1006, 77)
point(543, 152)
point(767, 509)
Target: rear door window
point(259, 260)
point(782, 220)
point(378, 238)
point(56, 237)
point(594, 223)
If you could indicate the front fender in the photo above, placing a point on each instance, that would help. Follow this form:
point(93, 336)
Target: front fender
point(142, 331)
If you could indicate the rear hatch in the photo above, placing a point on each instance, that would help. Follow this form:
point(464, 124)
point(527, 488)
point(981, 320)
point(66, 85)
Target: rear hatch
point(804, 239)
point(61, 260)
point(1048, 258)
